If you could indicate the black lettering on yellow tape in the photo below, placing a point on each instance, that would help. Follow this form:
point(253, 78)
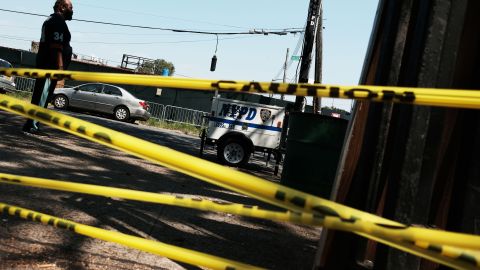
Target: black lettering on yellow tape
point(353, 93)
point(253, 86)
point(44, 116)
point(274, 87)
point(82, 129)
point(32, 216)
point(218, 85)
point(468, 259)
point(5, 209)
point(102, 137)
point(334, 92)
point(51, 221)
point(56, 120)
point(394, 227)
point(312, 90)
point(222, 203)
point(435, 248)
point(325, 210)
point(18, 108)
point(291, 89)
point(66, 225)
point(349, 220)
point(4, 103)
point(280, 195)
point(13, 180)
point(298, 201)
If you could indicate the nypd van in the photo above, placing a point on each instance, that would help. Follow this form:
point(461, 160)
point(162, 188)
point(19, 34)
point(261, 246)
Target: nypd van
point(239, 128)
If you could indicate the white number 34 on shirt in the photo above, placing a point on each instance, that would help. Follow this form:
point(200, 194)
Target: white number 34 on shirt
point(57, 36)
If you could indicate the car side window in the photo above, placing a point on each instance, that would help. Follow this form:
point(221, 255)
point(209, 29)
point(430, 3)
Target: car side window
point(93, 88)
point(110, 90)
point(5, 64)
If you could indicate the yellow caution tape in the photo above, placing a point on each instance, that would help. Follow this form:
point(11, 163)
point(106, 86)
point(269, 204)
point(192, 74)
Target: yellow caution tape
point(208, 171)
point(413, 95)
point(448, 256)
point(454, 257)
point(255, 187)
point(162, 249)
point(174, 200)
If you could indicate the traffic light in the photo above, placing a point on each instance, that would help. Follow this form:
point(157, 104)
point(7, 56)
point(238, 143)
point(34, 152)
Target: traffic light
point(213, 64)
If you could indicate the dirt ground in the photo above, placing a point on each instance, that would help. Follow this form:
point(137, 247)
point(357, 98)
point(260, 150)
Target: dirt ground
point(29, 245)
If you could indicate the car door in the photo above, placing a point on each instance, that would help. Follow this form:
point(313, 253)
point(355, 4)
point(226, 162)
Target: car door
point(85, 96)
point(110, 97)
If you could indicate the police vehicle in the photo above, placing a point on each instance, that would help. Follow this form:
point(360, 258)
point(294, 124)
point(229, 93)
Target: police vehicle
point(239, 128)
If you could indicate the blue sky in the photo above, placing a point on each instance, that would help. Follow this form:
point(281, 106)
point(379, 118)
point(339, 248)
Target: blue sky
point(347, 23)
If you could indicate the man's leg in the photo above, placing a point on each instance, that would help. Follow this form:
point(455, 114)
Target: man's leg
point(39, 97)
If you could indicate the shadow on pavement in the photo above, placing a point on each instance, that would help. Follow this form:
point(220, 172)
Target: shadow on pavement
point(62, 156)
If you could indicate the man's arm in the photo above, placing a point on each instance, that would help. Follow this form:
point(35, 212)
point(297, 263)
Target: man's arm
point(56, 52)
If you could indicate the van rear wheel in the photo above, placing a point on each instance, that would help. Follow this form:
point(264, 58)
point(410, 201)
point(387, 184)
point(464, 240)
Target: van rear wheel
point(233, 152)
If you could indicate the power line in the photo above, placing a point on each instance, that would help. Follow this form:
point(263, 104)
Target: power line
point(132, 43)
point(250, 32)
point(181, 19)
point(158, 16)
point(154, 42)
point(290, 62)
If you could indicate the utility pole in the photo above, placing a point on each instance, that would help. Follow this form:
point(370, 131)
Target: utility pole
point(282, 97)
point(313, 11)
point(317, 101)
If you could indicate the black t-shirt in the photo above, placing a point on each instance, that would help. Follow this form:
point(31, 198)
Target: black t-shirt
point(55, 36)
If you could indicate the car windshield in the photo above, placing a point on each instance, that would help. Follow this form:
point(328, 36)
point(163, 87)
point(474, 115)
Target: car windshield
point(4, 64)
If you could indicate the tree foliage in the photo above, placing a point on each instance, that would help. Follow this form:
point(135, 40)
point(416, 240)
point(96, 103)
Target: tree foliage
point(156, 67)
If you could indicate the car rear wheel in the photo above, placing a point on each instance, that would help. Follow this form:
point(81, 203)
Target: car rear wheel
point(233, 152)
point(60, 102)
point(121, 113)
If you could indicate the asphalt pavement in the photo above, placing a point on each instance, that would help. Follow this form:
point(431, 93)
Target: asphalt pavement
point(62, 156)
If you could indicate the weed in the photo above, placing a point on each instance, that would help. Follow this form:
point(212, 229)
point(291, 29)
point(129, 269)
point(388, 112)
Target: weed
point(184, 128)
point(23, 95)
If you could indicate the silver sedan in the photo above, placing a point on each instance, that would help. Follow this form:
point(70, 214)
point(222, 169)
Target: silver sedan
point(103, 98)
point(6, 83)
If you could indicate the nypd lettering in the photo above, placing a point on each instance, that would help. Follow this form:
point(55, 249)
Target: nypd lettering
point(238, 112)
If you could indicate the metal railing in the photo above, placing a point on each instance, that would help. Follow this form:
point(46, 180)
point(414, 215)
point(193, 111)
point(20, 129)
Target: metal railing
point(158, 111)
point(177, 114)
point(24, 84)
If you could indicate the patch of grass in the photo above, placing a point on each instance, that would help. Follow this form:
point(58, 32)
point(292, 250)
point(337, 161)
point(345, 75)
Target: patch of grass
point(23, 95)
point(184, 128)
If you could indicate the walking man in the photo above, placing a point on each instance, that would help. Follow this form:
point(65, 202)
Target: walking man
point(54, 53)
